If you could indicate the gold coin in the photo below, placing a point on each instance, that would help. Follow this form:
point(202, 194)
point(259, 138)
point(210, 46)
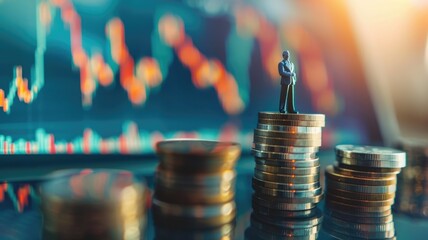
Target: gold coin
point(202, 155)
point(331, 174)
point(365, 203)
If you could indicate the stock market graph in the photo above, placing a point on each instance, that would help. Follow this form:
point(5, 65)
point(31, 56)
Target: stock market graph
point(107, 76)
point(19, 197)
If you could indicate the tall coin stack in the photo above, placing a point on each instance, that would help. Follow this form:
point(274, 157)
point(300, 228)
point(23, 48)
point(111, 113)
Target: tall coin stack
point(286, 177)
point(412, 193)
point(195, 186)
point(360, 190)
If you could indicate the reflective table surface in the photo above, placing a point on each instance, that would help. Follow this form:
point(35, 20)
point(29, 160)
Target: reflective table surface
point(19, 202)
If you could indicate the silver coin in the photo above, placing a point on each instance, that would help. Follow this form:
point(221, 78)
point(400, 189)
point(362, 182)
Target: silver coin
point(299, 123)
point(285, 170)
point(288, 116)
point(288, 142)
point(282, 149)
point(286, 186)
point(370, 153)
point(288, 163)
point(289, 129)
point(282, 178)
point(279, 156)
point(360, 188)
point(371, 163)
point(287, 193)
point(278, 134)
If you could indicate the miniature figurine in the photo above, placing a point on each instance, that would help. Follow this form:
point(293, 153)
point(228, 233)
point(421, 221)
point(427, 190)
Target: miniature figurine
point(288, 80)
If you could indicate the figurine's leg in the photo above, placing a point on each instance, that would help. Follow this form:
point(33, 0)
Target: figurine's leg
point(290, 99)
point(282, 97)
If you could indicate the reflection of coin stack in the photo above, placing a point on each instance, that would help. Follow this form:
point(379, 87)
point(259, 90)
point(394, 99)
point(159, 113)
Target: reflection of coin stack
point(360, 191)
point(286, 177)
point(412, 191)
point(195, 185)
point(102, 204)
point(225, 231)
point(281, 226)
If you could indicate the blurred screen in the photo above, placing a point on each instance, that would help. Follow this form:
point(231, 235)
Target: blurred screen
point(110, 76)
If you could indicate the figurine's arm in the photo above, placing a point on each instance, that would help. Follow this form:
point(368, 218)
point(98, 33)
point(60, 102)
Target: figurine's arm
point(283, 72)
point(293, 74)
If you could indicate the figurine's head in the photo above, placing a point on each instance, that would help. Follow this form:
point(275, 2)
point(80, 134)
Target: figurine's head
point(286, 54)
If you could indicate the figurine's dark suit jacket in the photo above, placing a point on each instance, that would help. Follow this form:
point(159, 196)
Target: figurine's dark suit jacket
point(285, 72)
point(287, 88)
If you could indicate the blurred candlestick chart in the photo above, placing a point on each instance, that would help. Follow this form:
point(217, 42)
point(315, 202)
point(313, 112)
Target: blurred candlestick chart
point(134, 77)
point(146, 70)
point(18, 195)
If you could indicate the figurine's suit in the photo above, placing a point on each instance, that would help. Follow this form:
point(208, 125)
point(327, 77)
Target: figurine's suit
point(287, 86)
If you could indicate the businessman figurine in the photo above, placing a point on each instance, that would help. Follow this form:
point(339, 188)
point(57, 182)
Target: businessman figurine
point(288, 80)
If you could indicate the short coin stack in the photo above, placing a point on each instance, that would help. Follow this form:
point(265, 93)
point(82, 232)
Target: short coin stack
point(195, 184)
point(360, 191)
point(93, 204)
point(412, 191)
point(286, 177)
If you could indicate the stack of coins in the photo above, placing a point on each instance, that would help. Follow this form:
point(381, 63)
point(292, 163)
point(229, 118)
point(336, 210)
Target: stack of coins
point(286, 176)
point(360, 190)
point(93, 204)
point(195, 184)
point(412, 191)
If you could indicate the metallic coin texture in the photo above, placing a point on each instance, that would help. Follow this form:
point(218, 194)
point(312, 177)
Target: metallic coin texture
point(360, 192)
point(282, 116)
point(112, 200)
point(286, 179)
point(370, 153)
point(289, 129)
point(195, 184)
